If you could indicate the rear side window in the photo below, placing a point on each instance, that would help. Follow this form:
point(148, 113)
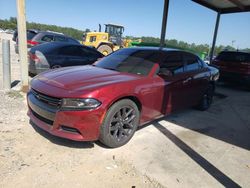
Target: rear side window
point(60, 38)
point(70, 51)
point(192, 63)
point(173, 62)
point(47, 38)
point(30, 35)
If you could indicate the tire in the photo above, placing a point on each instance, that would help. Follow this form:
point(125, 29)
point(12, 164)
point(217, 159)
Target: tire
point(56, 66)
point(207, 98)
point(105, 49)
point(120, 123)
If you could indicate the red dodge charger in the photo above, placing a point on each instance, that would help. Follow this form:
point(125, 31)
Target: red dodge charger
point(106, 101)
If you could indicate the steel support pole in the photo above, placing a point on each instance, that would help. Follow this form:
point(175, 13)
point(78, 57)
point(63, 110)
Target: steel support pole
point(215, 36)
point(6, 64)
point(22, 42)
point(164, 23)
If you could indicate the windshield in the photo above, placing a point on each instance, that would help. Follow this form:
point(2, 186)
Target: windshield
point(133, 61)
point(114, 30)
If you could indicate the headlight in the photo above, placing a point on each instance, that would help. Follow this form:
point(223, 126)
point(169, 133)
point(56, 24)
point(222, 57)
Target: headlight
point(80, 104)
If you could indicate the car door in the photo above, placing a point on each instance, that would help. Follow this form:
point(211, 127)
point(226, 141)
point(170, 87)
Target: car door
point(199, 77)
point(177, 82)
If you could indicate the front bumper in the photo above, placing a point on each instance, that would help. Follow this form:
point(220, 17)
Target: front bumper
point(74, 125)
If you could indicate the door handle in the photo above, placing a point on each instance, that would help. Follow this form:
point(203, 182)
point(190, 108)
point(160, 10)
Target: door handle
point(187, 80)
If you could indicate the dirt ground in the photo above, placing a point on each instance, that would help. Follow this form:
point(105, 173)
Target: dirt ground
point(187, 149)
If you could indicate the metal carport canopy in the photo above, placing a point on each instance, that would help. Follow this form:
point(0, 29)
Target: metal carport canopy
point(219, 6)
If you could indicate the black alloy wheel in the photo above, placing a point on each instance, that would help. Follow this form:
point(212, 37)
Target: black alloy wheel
point(120, 123)
point(207, 98)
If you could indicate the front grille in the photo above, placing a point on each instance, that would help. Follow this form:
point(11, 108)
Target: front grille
point(53, 101)
point(49, 122)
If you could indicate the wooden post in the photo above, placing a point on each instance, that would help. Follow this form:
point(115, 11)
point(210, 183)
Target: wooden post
point(22, 43)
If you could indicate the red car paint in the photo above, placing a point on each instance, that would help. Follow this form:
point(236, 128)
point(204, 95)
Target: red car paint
point(155, 95)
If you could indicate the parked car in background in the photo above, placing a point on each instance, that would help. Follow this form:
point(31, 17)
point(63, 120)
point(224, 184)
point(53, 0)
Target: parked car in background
point(35, 37)
point(233, 66)
point(107, 101)
point(48, 36)
point(60, 54)
point(30, 34)
point(9, 31)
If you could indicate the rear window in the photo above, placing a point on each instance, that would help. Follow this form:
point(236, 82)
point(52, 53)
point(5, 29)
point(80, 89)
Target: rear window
point(73, 41)
point(233, 57)
point(70, 51)
point(30, 35)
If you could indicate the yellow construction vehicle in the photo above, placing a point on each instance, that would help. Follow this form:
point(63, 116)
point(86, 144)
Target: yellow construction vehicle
point(108, 41)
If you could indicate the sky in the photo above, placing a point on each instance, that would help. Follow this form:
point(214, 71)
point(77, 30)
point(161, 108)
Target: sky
point(187, 21)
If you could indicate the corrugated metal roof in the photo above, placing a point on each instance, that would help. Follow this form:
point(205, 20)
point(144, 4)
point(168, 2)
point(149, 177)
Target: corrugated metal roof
point(226, 6)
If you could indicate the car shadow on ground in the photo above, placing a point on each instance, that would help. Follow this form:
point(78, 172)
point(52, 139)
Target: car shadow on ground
point(61, 141)
point(238, 136)
point(195, 156)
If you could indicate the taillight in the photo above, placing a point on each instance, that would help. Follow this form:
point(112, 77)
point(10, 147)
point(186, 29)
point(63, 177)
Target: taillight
point(34, 57)
point(33, 43)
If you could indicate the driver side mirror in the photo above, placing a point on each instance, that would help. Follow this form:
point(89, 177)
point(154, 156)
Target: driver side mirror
point(165, 72)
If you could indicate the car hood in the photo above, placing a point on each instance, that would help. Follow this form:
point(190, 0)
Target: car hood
point(82, 78)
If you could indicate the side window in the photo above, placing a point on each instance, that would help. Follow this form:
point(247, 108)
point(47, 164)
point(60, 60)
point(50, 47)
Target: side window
point(173, 62)
point(47, 38)
point(70, 51)
point(192, 63)
point(92, 39)
point(60, 38)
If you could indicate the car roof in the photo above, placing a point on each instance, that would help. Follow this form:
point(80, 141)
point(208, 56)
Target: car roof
point(54, 45)
point(159, 49)
point(52, 33)
point(231, 51)
point(34, 30)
